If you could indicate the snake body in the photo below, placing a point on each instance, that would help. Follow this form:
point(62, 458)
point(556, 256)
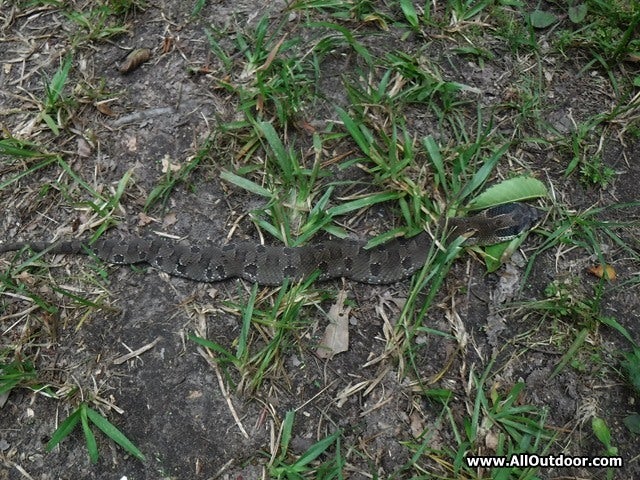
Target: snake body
point(272, 265)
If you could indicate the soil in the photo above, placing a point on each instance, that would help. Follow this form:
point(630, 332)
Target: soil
point(176, 405)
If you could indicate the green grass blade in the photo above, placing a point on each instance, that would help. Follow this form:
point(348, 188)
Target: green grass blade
point(13, 147)
point(358, 132)
point(287, 428)
point(433, 150)
point(14, 373)
point(89, 437)
point(113, 433)
point(59, 80)
point(363, 202)
point(245, 184)
point(409, 12)
point(317, 449)
point(45, 163)
point(348, 36)
point(65, 428)
point(575, 346)
point(67, 168)
point(482, 174)
point(228, 356)
point(281, 155)
point(51, 123)
point(613, 323)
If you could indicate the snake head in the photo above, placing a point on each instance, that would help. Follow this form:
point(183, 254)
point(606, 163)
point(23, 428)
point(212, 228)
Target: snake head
point(499, 224)
point(512, 219)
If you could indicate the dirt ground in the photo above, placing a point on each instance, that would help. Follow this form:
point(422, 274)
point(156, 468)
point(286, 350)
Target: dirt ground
point(182, 410)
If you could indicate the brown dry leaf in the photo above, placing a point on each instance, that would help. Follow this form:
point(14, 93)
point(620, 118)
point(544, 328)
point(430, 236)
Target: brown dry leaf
point(336, 335)
point(603, 271)
point(272, 55)
point(167, 44)
point(131, 143)
point(194, 394)
point(169, 219)
point(84, 148)
point(144, 219)
point(168, 165)
point(135, 58)
point(416, 424)
point(104, 108)
point(491, 441)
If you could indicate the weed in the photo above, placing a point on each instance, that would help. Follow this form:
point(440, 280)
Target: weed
point(276, 326)
point(498, 423)
point(172, 178)
point(16, 374)
point(631, 368)
point(596, 173)
point(97, 23)
point(281, 468)
point(603, 434)
point(271, 81)
point(54, 102)
point(87, 416)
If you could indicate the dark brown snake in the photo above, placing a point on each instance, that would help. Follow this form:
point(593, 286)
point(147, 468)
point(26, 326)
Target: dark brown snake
point(271, 265)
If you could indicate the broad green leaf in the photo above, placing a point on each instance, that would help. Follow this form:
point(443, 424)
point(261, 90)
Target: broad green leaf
point(632, 422)
point(577, 13)
point(409, 12)
point(515, 189)
point(542, 19)
point(601, 431)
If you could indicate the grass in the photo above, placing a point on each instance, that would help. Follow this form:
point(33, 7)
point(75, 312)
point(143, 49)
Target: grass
point(425, 137)
point(85, 416)
point(282, 468)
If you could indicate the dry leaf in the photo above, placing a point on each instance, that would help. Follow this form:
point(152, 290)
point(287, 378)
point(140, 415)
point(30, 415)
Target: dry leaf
point(84, 148)
point(336, 335)
point(603, 271)
point(131, 143)
point(272, 55)
point(491, 441)
point(135, 58)
point(416, 424)
point(167, 44)
point(169, 219)
point(144, 219)
point(168, 165)
point(104, 108)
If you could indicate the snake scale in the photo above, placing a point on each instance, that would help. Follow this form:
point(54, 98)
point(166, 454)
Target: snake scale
point(272, 265)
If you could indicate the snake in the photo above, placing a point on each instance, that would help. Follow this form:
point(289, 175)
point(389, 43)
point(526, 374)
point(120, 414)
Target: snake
point(385, 263)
